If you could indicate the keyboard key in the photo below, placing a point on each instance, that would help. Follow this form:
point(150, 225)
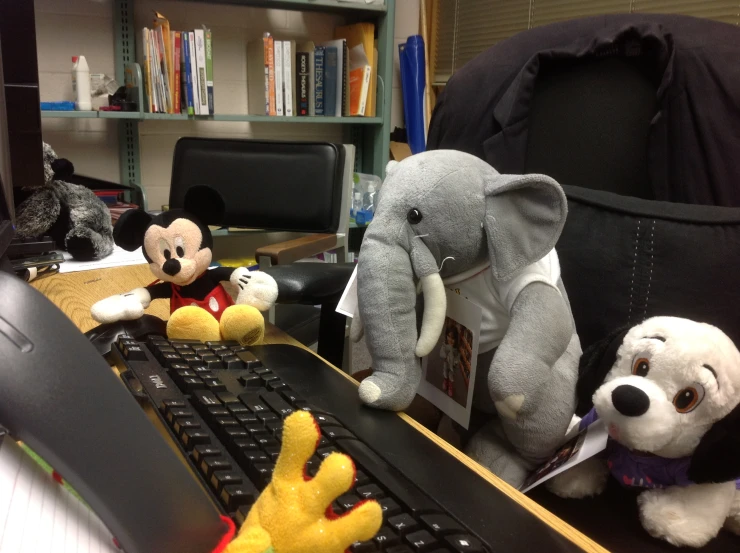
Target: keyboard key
point(389, 507)
point(462, 543)
point(403, 523)
point(199, 347)
point(263, 474)
point(218, 411)
point(290, 396)
point(227, 343)
point(253, 402)
point(163, 350)
point(232, 362)
point(272, 451)
point(192, 437)
point(230, 434)
point(347, 501)
point(241, 513)
point(249, 359)
point(276, 403)
point(184, 342)
point(182, 373)
point(188, 356)
point(336, 432)
point(246, 418)
point(193, 383)
point(276, 385)
point(226, 422)
point(261, 370)
point(204, 373)
point(227, 397)
point(244, 444)
point(266, 416)
point(256, 429)
point(265, 440)
point(441, 524)
point(179, 425)
point(421, 541)
point(215, 385)
point(134, 352)
point(172, 414)
point(234, 496)
point(252, 457)
point(312, 466)
point(398, 549)
point(209, 465)
point(326, 420)
point(202, 451)
point(215, 348)
point(197, 365)
point(370, 491)
point(396, 483)
point(268, 377)
point(363, 547)
point(206, 398)
point(324, 452)
point(361, 478)
point(250, 381)
point(180, 367)
point(386, 537)
point(221, 478)
point(173, 403)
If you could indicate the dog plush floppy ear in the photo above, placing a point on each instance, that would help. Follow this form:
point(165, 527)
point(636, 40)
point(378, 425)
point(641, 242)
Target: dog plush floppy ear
point(130, 229)
point(595, 364)
point(717, 457)
point(206, 204)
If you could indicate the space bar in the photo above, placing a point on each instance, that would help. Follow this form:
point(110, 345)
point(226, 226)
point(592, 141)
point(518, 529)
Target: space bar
point(387, 476)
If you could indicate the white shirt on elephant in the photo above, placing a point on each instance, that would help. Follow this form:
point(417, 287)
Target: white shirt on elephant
point(496, 297)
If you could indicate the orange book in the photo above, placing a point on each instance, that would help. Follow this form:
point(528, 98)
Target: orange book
point(359, 83)
point(270, 104)
point(363, 33)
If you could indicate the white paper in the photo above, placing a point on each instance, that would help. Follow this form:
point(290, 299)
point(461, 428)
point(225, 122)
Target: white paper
point(118, 258)
point(38, 515)
point(585, 445)
point(459, 342)
point(348, 302)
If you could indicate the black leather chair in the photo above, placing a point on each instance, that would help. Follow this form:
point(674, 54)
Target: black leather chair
point(282, 186)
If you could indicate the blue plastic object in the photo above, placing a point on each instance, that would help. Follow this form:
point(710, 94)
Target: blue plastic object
point(413, 82)
point(57, 106)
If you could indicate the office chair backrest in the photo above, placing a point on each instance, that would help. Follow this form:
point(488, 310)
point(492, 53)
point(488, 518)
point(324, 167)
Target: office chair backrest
point(289, 186)
point(589, 124)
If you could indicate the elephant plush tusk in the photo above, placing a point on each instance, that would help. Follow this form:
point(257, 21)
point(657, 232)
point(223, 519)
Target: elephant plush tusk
point(435, 307)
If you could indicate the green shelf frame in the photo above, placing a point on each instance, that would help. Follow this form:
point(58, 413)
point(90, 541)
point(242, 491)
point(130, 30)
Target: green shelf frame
point(330, 6)
point(226, 117)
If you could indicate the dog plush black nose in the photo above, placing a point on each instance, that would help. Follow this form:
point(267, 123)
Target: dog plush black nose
point(171, 267)
point(630, 401)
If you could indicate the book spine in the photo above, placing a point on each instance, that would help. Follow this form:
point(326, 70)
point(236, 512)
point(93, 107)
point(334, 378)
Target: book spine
point(288, 77)
point(200, 59)
point(188, 75)
point(269, 75)
point(319, 76)
point(183, 75)
point(330, 81)
point(167, 100)
point(146, 69)
point(209, 69)
point(345, 81)
point(303, 83)
point(279, 105)
point(176, 63)
point(365, 90)
point(194, 73)
point(156, 72)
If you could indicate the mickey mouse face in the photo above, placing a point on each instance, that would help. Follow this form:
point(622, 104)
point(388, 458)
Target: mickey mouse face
point(175, 252)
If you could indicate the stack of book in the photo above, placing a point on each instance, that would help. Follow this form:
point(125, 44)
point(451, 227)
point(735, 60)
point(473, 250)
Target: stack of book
point(336, 78)
point(178, 69)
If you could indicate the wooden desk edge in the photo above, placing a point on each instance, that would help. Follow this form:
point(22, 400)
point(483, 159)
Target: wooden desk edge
point(77, 291)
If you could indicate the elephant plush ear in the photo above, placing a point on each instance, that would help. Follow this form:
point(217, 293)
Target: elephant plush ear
point(717, 457)
point(524, 217)
point(130, 229)
point(596, 362)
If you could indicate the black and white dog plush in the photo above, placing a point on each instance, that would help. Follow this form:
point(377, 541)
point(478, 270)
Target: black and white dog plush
point(668, 392)
point(71, 214)
point(178, 245)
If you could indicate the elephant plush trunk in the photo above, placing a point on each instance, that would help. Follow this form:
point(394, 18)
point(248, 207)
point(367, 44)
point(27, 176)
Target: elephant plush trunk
point(387, 304)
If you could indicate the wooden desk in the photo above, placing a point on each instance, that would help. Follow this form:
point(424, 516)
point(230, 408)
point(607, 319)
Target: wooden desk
point(74, 293)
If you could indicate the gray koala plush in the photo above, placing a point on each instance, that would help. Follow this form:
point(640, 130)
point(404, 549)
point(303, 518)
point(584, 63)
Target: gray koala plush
point(71, 214)
point(448, 219)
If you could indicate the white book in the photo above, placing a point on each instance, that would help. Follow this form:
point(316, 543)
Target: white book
point(194, 73)
point(278, 52)
point(339, 44)
point(167, 97)
point(156, 80)
point(200, 55)
point(289, 77)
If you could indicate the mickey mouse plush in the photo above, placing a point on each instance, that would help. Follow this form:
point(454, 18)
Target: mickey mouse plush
point(178, 247)
point(670, 401)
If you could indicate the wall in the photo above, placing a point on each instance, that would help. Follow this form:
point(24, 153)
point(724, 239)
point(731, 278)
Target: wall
point(73, 27)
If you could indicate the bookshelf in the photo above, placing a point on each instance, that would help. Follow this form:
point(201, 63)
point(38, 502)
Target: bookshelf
point(370, 135)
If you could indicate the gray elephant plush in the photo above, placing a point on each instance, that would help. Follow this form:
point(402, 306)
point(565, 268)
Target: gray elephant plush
point(447, 218)
point(71, 214)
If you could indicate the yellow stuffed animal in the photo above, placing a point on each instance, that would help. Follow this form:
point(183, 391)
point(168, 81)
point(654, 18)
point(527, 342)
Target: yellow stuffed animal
point(293, 514)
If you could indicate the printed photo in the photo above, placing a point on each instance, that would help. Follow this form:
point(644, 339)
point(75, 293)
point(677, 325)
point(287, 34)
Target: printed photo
point(569, 450)
point(448, 368)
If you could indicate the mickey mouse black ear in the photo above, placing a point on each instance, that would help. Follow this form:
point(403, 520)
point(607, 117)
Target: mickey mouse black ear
point(717, 457)
point(206, 204)
point(596, 362)
point(128, 233)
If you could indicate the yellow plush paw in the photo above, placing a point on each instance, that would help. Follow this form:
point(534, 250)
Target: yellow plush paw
point(243, 323)
point(192, 323)
point(294, 510)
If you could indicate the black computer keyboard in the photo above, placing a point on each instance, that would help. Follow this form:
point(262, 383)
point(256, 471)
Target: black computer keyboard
point(224, 404)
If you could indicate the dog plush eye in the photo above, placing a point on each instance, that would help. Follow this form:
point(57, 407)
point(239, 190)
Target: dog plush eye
point(641, 366)
point(687, 399)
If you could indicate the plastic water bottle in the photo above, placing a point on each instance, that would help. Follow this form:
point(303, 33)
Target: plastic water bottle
point(81, 83)
point(357, 202)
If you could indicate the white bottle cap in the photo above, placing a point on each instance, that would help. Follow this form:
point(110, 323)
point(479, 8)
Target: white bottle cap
point(358, 195)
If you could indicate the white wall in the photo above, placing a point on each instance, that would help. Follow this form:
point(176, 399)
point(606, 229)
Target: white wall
point(65, 28)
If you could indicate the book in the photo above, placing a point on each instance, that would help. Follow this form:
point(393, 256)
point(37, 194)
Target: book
point(303, 83)
point(146, 69)
point(270, 108)
point(209, 68)
point(319, 79)
point(156, 73)
point(363, 33)
point(289, 77)
point(183, 75)
point(163, 71)
point(343, 63)
point(342, 55)
point(200, 82)
point(310, 48)
point(188, 75)
point(330, 81)
point(279, 103)
point(359, 80)
point(257, 92)
point(162, 25)
point(176, 62)
point(194, 73)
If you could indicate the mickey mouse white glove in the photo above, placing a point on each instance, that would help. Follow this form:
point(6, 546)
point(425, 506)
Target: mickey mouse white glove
point(122, 307)
point(256, 288)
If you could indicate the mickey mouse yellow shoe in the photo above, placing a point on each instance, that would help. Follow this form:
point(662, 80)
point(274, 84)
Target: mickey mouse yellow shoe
point(193, 323)
point(242, 323)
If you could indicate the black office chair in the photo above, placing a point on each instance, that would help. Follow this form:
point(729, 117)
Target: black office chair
point(282, 186)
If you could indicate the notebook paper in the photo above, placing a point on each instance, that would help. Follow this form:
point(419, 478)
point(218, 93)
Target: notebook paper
point(37, 515)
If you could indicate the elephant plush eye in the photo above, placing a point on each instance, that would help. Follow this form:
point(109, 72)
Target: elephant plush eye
point(414, 216)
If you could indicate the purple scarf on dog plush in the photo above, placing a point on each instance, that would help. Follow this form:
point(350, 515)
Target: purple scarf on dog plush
point(642, 470)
